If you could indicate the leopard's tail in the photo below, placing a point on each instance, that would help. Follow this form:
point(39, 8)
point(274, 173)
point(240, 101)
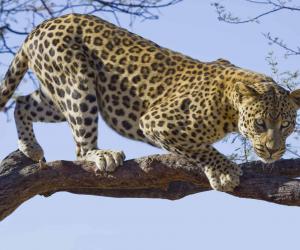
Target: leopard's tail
point(13, 77)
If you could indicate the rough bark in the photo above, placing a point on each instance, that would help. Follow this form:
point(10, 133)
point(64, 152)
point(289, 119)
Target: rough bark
point(158, 176)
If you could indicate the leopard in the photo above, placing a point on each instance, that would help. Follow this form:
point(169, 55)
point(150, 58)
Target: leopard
point(87, 67)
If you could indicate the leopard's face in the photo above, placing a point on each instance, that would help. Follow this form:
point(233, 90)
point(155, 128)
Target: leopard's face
point(267, 132)
point(267, 116)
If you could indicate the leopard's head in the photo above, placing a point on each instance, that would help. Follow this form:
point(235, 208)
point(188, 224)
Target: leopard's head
point(267, 116)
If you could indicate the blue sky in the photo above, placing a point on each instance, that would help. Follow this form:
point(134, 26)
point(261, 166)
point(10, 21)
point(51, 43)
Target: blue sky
point(210, 220)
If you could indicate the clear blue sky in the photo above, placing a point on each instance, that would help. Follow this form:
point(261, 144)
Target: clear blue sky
point(210, 220)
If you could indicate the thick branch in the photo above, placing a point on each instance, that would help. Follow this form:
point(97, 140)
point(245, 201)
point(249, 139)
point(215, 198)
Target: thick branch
point(159, 176)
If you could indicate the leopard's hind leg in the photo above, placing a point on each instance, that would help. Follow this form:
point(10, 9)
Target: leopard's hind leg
point(33, 108)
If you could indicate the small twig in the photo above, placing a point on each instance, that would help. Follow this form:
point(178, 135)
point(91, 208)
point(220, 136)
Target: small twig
point(47, 8)
point(280, 43)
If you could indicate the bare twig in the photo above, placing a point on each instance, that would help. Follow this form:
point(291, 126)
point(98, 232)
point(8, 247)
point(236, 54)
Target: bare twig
point(279, 42)
point(266, 8)
point(272, 7)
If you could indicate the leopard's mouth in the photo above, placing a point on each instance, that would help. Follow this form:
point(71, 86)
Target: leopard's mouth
point(265, 156)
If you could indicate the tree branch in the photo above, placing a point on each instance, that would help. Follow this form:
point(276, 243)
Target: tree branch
point(158, 176)
point(269, 8)
point(274, 6)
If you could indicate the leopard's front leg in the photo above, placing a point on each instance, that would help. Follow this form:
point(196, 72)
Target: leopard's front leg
point(223, 175)
point(81, 113)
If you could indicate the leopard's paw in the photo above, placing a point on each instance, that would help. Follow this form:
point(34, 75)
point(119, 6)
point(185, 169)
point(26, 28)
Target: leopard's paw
point(224, 180)
point(106, 160)
point(32, 150)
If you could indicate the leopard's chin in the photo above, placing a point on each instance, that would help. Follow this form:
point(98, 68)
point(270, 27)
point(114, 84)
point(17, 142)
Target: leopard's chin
point(268, 161)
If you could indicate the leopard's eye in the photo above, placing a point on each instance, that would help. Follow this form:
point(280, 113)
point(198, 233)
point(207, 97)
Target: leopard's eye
point(285, 124)
point(260, 123)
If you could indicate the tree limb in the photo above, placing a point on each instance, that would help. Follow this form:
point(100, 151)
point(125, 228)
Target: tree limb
point(158, 176)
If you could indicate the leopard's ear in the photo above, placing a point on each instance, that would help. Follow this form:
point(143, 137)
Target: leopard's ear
point(295, 97)
point(245, 90)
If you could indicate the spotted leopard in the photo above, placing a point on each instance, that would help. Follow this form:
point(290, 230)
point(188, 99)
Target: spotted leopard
point(88, 66)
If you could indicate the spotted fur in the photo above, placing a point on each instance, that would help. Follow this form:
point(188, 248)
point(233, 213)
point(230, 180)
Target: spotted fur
point(86, 65)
